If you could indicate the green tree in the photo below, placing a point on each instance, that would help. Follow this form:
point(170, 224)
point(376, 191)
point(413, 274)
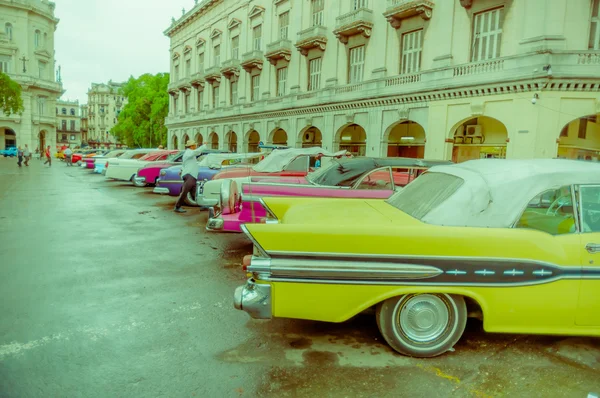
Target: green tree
point(141, 123)
point(10, 96)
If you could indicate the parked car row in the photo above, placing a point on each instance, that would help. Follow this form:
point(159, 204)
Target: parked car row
point(426, 244)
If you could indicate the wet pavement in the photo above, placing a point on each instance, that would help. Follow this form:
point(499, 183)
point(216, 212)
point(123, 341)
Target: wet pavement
point(104, 291)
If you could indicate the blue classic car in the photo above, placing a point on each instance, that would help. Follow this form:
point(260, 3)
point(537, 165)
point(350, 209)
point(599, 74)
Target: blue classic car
point(9, 152)
point(170, 181)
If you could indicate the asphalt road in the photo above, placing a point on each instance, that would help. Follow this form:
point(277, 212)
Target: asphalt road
point(104, 291)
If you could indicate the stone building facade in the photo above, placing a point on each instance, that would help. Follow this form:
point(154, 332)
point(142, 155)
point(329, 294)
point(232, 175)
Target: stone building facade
point(104, 106)
point(439, 79)
point(84, 123)
point(27, 55)
point(68, 128)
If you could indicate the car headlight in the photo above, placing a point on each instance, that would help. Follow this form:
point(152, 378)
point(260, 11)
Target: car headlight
point(163, 173)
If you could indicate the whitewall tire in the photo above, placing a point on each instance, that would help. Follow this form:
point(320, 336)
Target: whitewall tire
point(422, 325)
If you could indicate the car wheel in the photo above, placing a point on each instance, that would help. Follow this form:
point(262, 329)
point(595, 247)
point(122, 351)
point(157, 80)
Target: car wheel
point(422, 325)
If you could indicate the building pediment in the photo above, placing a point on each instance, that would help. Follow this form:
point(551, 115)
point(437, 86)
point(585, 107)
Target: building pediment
point(256, 11)
point(234, 23)
point(200, 42)
point(216, 33)
point(43, 53)
point(176, 55)
point(187, 49)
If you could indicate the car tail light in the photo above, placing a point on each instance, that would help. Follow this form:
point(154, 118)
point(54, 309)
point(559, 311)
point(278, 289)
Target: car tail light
point(106, 165)
point(246, 262)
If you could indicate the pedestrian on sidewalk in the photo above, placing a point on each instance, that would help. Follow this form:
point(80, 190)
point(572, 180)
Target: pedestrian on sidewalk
point(68, 153)
point(48, 157)
point(19, 155)
point(27, 155)
point(189, 171)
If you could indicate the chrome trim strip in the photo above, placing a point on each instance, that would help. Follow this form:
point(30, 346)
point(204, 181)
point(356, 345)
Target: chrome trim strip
point(254, 241)
point(389, 269)
point(268, 209)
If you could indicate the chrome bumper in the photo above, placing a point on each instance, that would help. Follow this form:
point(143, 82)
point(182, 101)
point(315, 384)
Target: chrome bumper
point(160, 190)
point(206, 202)
point(214, 223)
point(254, 298)
point(140, 180)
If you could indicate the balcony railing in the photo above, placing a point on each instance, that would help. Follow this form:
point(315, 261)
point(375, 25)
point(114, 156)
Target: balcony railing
point(313, 37)
point(570, 70)
point(213, 74)
point(280, 49)
point(252, 60)
point(353, 23)
point(397, 10)
point(197, 79)
point(231, 67)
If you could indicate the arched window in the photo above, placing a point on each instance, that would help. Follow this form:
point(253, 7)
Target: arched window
point(37, 39)
point(64, 111)
point(8, 29)
point(72, 112)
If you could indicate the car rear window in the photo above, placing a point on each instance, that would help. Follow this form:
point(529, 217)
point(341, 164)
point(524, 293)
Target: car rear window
point(425, 193)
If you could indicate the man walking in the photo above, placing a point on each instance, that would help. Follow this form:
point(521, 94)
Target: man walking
point(189, 171)
point(68, 153)
point(27, 155)
point(48, 157)
point(19, 155)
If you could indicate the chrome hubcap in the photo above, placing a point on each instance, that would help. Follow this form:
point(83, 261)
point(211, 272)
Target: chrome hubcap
point(424, 318)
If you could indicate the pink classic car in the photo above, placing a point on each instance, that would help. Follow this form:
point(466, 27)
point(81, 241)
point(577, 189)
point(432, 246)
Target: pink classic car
point(368, 178)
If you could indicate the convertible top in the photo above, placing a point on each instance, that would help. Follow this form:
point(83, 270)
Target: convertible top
point(346, 171)
point(279, 158)
point(496, 191)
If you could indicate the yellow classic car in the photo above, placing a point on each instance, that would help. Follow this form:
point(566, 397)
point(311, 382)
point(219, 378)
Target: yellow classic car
point(515, 242)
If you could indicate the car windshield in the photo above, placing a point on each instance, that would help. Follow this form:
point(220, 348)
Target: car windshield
point(172, 156)
point(341, 172)
point(425, 193)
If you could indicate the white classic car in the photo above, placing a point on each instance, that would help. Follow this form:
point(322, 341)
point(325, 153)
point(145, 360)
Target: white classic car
point(293, 163)
point(100, 164)
point(125, 169)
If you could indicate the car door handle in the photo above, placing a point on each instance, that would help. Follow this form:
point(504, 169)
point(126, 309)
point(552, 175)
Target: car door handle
point(592, 248)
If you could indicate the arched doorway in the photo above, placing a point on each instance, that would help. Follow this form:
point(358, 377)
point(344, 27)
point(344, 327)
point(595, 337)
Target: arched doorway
point(198, 138)
point(406, 140)
point(185, 139)
point(310, 137)
point(42, 140)
point(479, 138)
point(353, 139)
point(175, 143)
point(253, 139)
point(10, 138)
point(279, 137)
point(213, 140)
point(580, 139)
point(232, 141)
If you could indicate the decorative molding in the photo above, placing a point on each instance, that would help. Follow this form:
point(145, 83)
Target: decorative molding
point(477, 107)
point(215, 34)
point(403, 113)
point(256, 11)
point(349, 117)
point(234, 23)
point(358, 22)
point(176, 55)
point(403, 10)
point(187, 49)
point(466, 3)
point(200, 41)
point(252, 60)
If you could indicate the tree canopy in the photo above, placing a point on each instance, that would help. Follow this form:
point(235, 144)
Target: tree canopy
point(10, 95)
point(141, 123)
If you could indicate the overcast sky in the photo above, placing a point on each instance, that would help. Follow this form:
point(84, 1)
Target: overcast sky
point(100, 40)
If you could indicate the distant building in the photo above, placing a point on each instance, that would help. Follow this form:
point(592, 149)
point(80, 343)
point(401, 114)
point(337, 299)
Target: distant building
point(84, 123)
point(27, 55)
point(68, 129)
point(104, 106)
point(439, 79)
